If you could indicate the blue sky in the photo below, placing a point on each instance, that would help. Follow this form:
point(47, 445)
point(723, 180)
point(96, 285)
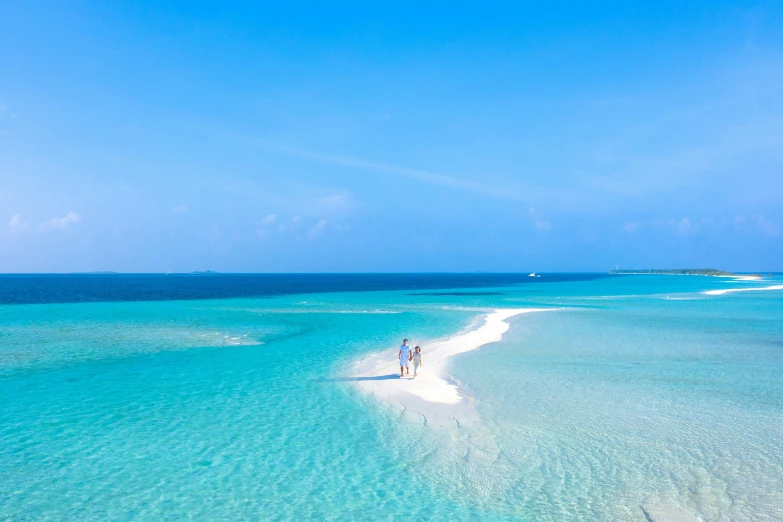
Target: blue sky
point(346, 137)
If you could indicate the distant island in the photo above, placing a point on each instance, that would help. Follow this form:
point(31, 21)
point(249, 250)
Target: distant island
point(676, 271)
point(204, 272)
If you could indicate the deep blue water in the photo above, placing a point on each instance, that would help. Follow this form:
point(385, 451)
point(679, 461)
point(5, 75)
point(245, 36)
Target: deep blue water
point(76, 288)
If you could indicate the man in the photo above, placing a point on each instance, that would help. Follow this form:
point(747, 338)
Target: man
point(405, 357)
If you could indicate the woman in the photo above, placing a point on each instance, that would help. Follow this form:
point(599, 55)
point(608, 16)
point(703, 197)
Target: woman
point(416, 361)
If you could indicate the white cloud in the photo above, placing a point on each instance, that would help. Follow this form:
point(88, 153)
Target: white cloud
point(543, 225)
point(16, 225)
point(265, 223)
point(538, 220)
point(632, 227)
point(658, 222)
point(179, 209)
point(318, 229)
point(290, 225)
point(59, 223)
point(767, 227)
point(336, 202)
point(686, 226)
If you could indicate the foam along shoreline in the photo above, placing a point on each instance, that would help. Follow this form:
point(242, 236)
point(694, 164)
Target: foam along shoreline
point(434, 395)
point(730, 290)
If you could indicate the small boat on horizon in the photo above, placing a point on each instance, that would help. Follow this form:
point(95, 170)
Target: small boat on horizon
point(533, 274)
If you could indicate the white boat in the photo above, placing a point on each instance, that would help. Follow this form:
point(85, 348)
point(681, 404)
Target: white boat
point(533, 275)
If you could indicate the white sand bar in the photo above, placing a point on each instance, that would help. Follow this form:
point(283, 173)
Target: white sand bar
point(754, 289)
point(434, 395)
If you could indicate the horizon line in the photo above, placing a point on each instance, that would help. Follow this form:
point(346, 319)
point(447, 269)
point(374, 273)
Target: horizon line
point(487, 272)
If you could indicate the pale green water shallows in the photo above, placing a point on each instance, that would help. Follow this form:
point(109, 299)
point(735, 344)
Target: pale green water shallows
point(643, 398)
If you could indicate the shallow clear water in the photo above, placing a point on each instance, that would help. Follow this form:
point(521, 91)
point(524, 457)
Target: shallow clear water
point(639, 394)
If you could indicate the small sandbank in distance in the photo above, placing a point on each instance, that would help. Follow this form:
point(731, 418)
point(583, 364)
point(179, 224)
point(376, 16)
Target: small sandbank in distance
point(689, 271)
point(752, 289)
point(434, 395)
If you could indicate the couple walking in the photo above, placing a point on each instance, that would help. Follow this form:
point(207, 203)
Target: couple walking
point(406, 356)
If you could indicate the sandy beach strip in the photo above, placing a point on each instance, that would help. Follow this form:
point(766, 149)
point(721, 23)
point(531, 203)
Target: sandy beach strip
point(731, 290)
point(434, 395)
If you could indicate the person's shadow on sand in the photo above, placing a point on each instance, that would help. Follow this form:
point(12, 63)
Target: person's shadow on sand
point(369, 378)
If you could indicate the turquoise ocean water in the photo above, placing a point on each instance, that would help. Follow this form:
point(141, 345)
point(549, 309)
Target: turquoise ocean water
point(639, 397)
